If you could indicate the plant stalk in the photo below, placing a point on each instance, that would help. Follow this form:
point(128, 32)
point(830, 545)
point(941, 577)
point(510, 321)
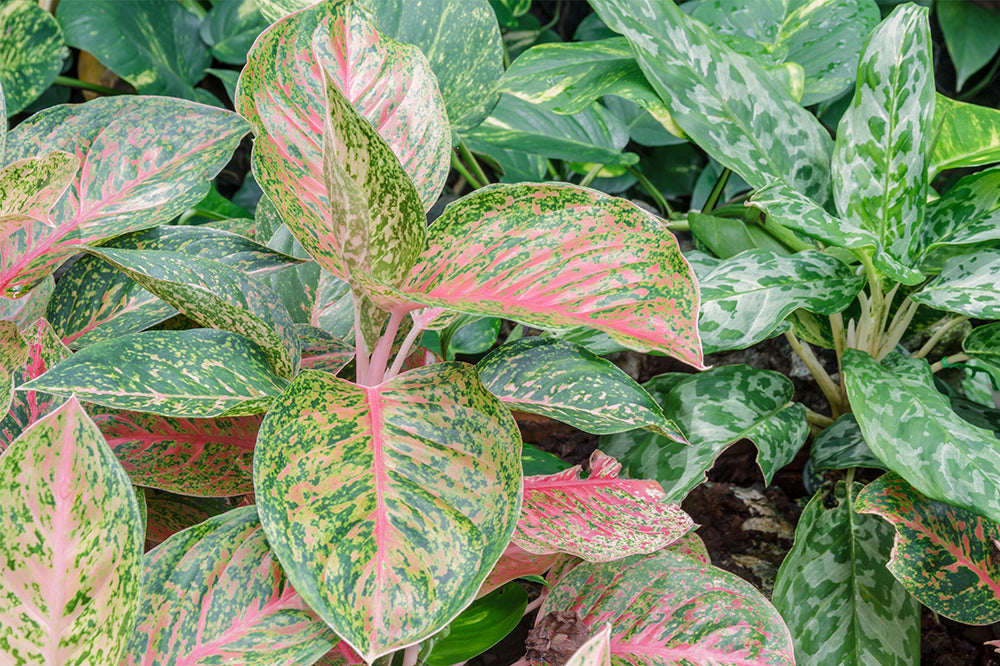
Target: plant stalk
point(717, 191)
point(380, 355)
point(410, 655)
point(949, 360)
point(591, 175)
point(360, 346)
point(661, 202)
point(823, 379)
point(457, 165)
point(938, 334)
point(404, 351)
point(70, 82)
point(473, 163)
point(817, 419)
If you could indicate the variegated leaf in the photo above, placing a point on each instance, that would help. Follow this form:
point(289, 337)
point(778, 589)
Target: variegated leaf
point(913, 430)
point(881, 154)
point(201, 457)
point(965, 135)
point(167, 514)
point(600, 518)
point(281, 93)
point(215, 593)
point(516, 563)
point(566, 382)
point(44, 351)
point(341, 655)
point(214, 295)
point(714, 409)
point(29, 188)
point(842, 445)
point(968, 284)
point(322, 351)
point(388, 505)
point(71, 548)
point(691, 545)
point(145, 160)
point(723, 100)
point(841, 604)
point(542, 255)
point(29, 307)
point(746, 298)
point(32, 53)
point(196, 373)
point(595, 652)
point(984, 343)
point(968, 213)
point(667, 608)
point(13, 355)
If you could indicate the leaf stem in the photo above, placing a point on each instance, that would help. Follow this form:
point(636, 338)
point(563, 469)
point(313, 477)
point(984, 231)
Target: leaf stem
point(823, 379)
point(404, 350)
point(380, 355)
point(817, 419)
point(897, 328)
point(70, 82)
point(938, 334)
point(717, 191)
point(410, 655)
point(360, 346)
point(949, 360)
point(457, 165)
point(651, 190)
point(591, 175)
point(786, 236)
point(473, 163)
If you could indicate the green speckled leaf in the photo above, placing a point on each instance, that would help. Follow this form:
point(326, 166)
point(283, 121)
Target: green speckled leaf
point(322, 351)
point(669, 608)
point(841, 604)
point(282, 93)
point(968, 213)
point(746, 298)
point(215, 594)
point(196, 373)
point(964, 135)
point(29, 307)
point(542, 255)
point(566, 382)
point(714, 409)
point(156, 46)
point(913, 430)
point(168, 514)
point(880, 158)
point(842, 445)
point(31, 53)
point(71, 548)
point(200, 457)
point(146, 160)
point(29, 188)
point(214, 295)
point(724, 101)
point(984, 343)
point(944, 555)
point(968, 284)
point(13, 355)
point(388, 505)
point(600, 518)
point(230, 28)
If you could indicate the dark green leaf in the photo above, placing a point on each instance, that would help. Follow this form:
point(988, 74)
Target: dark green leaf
point(842, 445)
point(972, 35)
point(480, 626)
point(230, 27)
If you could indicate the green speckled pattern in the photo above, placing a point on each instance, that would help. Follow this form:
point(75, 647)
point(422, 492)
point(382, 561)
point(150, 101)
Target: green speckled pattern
point(31, 53)
point(967, 135)
point(29, 188)
point(968, 284)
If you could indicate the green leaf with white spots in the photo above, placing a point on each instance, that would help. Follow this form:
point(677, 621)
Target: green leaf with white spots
point(914, 431)
point(72, 545)
point(842, 445)
point(31, 53)
point(841, 604)
point(971, 34)
point(388, 505)
point(969, 284)
point(714, 409)
point(724, 101)
point(155, 46)
point(216, 593)
point(592, 135)
point(13, 355)
point(745, 298)
point(964, 135)
point(984, 343)
point(230, 28)
point(214, 295)
point(668, 606)
point(566, 382)
point(968, 213)
point(195, 373)
point(881, 155)
point(600, 518)
point(199, 457)
point(29, 188)
point(945, 556)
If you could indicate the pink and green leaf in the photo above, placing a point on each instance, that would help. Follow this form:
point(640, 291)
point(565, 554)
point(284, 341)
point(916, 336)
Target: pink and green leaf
point(29, 307)
point(322, 351)
point(13, 355)
point(667, 608)
point(168, 514)
point(197, 373)
point(71, 548)
point(215, 593)
point(600, 518)
point(944, 555)
point(691, 545)
point(516, 563)
point(144, 160)
point(388, 505)
point(596, 651)
point(30, 187)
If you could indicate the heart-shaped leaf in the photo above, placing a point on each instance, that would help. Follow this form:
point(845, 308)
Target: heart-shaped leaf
point(972, 35)
point(72, 545)
point(388, 505)
point(32, 53)
point(230, 28)
point(216, 592)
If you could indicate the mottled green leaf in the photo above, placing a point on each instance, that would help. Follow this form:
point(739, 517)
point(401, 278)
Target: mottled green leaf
point(713, 409)
point(168, 514)
point(566, 382)
point(842, 445)
point(726, 237)
point(480, 626)
point(880, 158)
point(13, 355)
point(31, 53)
point(215, 593)
point(71, 548)
point(968, 284)
point(913, 430)
point(724, 101)
point(964, 135)
point(971, 34)
point(30, 306)
point(147, 159)
point(230, 28)
point(196, 373)
point(155, 46)
point(984, 343)
point(746, 298)
point(667, 606)
point(945, 556)
point(469, 334)
point(29, 188)
point(841, 604)
point(322, 351)
point(388, 505)
point(968, 213)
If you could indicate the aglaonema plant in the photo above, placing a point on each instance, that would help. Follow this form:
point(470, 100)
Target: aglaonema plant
point(378, 495)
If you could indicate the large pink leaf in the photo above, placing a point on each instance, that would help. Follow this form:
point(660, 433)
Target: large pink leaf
point(558, 256)
point(388, 505)
point(215, 594)
point(143, 160)
point(201, 457)
point(516, 563)
point(71, 546)
point(667, 609)
point(599, 518)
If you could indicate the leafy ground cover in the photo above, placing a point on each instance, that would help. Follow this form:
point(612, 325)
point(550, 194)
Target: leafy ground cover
point(292, 305)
